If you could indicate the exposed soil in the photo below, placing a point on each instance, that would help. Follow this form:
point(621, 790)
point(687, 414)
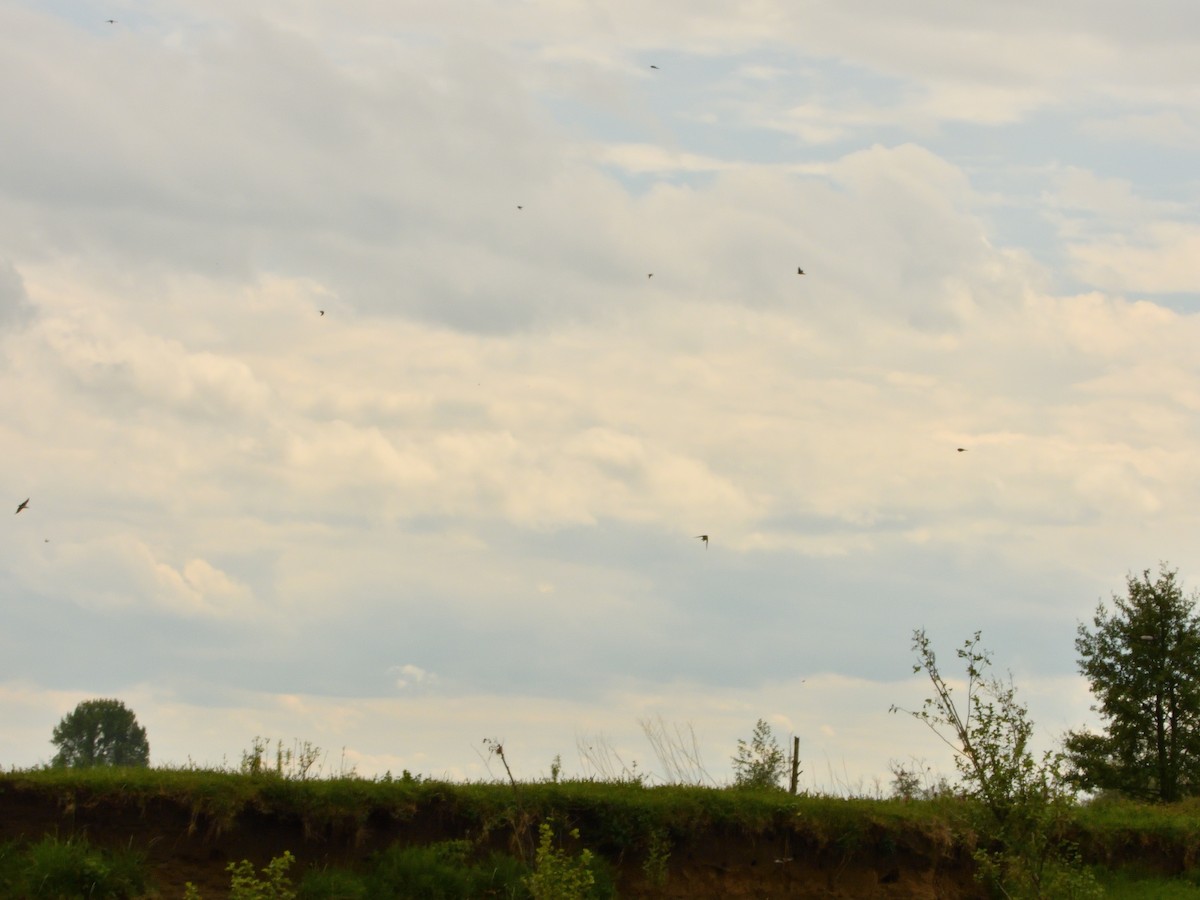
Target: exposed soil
point(181, 846)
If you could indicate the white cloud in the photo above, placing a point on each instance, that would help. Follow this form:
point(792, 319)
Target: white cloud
point(502, 433)
point(1161, 260)
point(123, 573)
point(1171, 127)
point(409, 675)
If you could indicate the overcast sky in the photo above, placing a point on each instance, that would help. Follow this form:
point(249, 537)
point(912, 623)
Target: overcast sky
point(462, 503)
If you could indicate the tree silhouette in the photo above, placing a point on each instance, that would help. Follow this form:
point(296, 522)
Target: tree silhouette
point(1141, 661)
point(100, 733)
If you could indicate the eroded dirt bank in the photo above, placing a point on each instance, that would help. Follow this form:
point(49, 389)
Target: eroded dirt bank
point(183, 842)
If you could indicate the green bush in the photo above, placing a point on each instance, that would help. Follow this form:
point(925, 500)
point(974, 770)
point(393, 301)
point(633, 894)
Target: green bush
point(443, 871)
point(245, 884)
point(66, 870)
point(274, 884)
point(559, 875)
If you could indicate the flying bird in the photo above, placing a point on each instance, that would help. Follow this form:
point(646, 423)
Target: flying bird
point(321, 311)
point(111, 21)
point(654, 67)
point(703, 537)
point(799, 271)
point(519, 206)
point(651, 275)
point(962, 449)
point(23, 505)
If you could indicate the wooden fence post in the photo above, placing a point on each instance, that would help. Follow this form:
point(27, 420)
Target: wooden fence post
point(795, 762)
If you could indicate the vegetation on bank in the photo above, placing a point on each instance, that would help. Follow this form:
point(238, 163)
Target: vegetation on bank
point(588, 834)
point(52, 868)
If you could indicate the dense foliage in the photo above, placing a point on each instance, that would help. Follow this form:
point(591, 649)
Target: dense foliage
point(54, 869)
point(100, 733)
point(1142, 661)
point(653, 834)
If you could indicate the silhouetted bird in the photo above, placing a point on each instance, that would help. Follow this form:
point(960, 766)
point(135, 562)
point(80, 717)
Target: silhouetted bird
point(23, 505)
point(799, 271)
point(962, 449)
point(111, 21)
point(321, 311)
point(519, 206)
point(703, 537)
point(651, 275)
point(654, 67)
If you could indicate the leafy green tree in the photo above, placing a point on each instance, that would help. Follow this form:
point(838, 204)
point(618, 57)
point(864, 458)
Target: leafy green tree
point(1142, 661)
point(761, 763)
point(1023, 801)
point(100, 733)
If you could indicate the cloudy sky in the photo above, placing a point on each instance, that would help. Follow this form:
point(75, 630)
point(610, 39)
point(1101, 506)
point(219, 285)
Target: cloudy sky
point(462, 503)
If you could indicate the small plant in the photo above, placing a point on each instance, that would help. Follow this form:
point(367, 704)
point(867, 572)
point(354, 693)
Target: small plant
point(245, 884)
point(557, 874)
point(658, 856)
point(295, 763)
point(303, 758)
point(906, 783)
point(917, 782)
point(761, 763)
point(253, 760)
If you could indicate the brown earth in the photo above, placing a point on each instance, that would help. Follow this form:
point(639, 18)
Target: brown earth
point(182, 846)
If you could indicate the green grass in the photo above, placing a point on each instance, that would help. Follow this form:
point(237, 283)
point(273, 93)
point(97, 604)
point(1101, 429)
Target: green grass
point(1131, 885)
point(613, 816)
point(621, 822)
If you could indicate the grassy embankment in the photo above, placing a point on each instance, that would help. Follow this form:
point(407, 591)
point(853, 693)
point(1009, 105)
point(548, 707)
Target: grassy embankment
point(644, 838)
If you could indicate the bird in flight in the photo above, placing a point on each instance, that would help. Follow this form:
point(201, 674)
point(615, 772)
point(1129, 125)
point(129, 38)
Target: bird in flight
point(651, 275)
point(799, 271)
point(519, 206)
point(23, 505)
point(703, 537)
point(321, 311)
point(111, 21)
point(962, 449)
point(654, 67)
